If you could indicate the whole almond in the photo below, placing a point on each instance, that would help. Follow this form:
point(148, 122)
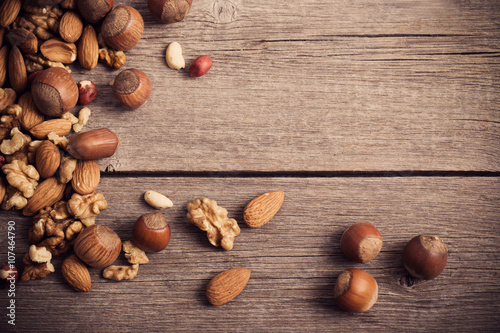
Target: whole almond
point(56, 50)
point(4, 63)
point(227, 285)
point(17, 70)
point(76, 274)
point(70, 27)
point(88, 48)
point(59, 126)
point(91, 145)
point(262, 209)
point(46, 194)
point(47, 159)
point(30, 116)
point(25, 40)
point(86, 177)
point(9, 9)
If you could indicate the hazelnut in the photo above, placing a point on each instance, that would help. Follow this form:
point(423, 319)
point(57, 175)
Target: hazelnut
point(94, 10)
point(200, 66)
point(54, 91)
point(87, 92)
point(98, 246)
point(151, 232)
point(169, 11)
point(91, 145)
point(8, 276)
point(132, 88)
point(355, 290)
point(361, 242)
point(122, 28)
point(425, 256)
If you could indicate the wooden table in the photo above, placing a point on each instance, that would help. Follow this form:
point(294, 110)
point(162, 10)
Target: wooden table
point(385, 112)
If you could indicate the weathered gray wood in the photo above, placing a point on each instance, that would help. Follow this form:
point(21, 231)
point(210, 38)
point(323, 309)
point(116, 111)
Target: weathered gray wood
point(314, 85)
point(294, 259)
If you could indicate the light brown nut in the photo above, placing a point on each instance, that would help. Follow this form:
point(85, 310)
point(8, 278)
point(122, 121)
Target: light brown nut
point(86, 177)
point(18, 75)
point(119, 273)
point(88, 48)
point(56, 50)
point(262, 209)
point(174, 57)
point(48, 158)
point(59, 126)
point(227, 285)
point(22, 176)
point(76, 274)
point(68, 166)
point(157, 200)
point(134, 254)
point(30, 116)
point(4, 64)
point(70, 27)
point(9, 9)
point(87, 207)
point(7, 97)
point(93, 144)
point(25, 40)
point(39, 254)
point(46, 194)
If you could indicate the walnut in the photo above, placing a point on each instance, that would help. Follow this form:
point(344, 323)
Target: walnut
point(112, 58)
point(87, 207)
point(34, 270)
point(14, 110)
point(71, 117)
point(73, 230)
point(209, 217)
point(22, 176)
point(66, 169)
point(8, 97)
point(46, 63)
point(119, 273)
point(134, 254)
point(20, 155)
point(60, 141)
point(60, 211)
point(83, 118)
point(32, 66)
point(39, 254)
point(36, 232)
point(17, 141)
point(13, 199)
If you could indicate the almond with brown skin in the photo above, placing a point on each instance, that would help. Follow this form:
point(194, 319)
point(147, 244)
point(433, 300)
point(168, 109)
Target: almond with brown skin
point(70, 27)
point(227, 285)
point(56, 50)
point(25, 40)
point(76, 274)
point(88, 48)
point(47, 159)
point(18, 75)
point(263, 208)
point(86, 177)
point(46, 194)
point(59, 126)
point(9, 9)
point(4, 63)
point(30, 116)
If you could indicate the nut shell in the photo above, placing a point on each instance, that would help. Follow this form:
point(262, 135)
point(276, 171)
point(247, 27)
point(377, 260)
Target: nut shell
point(54, 91)
point(76, 274)
point(151, 232)
point(94, 10)
point(425, 256)
point(227, 285)
point(355, 290)
point(132, 88)
point(93, 144)
point(169, 11)
point(122, 28)
point(361, 242)
point(98, 246)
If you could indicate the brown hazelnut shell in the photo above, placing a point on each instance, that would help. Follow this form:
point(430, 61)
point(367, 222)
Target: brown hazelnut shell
point(132, 88)
point(355, 290)
point(94, 10)
point(361, 242)
point(151, 232)
point(425, 256)
point(94, 144)
point(122, 28)
point(169, 11)
point(98, 246)
point(54, 91)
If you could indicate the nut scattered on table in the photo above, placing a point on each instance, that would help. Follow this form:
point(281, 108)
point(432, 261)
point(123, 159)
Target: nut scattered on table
point(98, 246)
point(151, 232)
point(227, 285)
point(174, 57)
point(425, 256)
point(119, 273)
point(262, 209)
point(200, 66)
point(361, 242)
point(169, 11)
point(157, 200)
point(76, 274)
point(355, 290)
point(122, 28)
point(132, 88)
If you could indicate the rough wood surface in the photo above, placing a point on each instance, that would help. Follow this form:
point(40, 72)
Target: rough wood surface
point(314, 85)
point(294, 259)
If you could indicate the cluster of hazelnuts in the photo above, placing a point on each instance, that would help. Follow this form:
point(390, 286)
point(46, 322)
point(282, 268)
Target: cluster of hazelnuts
point(424, 257)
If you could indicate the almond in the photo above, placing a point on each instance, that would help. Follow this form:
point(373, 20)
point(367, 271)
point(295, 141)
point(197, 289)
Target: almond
point(47, 159)
point(9, 9)
point(25, 40)
point(76, 273)
point(4, 61)
point(227, 285)
point(88, 48)
point(56, 50)
point(86, 177)
point(17, 70)
point(30, 116)
point(3, 188)
point(46, 194)
point(262, 209)
point(70, 27)
point(59, 126)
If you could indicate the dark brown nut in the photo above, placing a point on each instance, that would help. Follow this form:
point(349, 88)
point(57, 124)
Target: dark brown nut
point(169, 11)
point(94, 10)
point(425, 256)
point(151, 232)
point(200, 66)
point(87, 91)
point(25, 40)
point(17, 70)
point(132, 88)
point(122, 28)
point(93, 144)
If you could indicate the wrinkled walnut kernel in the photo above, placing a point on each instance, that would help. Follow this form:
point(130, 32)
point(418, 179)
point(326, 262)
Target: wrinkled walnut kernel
point(22, 176)
point(87, 207)
point(119, 273)
point(134, 254)
point(33, 270)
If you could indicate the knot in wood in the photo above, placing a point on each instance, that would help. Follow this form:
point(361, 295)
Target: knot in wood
point(224, 11)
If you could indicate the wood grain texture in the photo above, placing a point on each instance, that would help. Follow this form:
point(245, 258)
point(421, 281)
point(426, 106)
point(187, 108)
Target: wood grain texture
point(314, 85)
point(294, 259)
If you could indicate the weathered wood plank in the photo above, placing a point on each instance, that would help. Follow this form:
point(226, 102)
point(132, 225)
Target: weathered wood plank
point(311, 85)
point(294, 259)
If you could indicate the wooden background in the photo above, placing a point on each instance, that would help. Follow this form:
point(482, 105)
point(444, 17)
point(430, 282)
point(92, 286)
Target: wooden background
point(385, 112)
